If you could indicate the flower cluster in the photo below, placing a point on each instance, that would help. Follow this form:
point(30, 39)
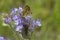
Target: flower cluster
point(19, 20)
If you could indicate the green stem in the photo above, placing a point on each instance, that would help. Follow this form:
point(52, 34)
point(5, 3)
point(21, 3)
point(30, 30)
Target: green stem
point(14, 31)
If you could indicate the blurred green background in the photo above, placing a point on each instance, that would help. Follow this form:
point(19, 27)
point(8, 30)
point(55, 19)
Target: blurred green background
point(47, 10)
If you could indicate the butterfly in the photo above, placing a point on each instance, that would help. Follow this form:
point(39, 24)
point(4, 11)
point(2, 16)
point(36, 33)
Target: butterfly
point(26, 11)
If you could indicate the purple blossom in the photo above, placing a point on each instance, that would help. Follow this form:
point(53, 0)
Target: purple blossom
point(14, 11)
point(19, 27)
point(34, 24)
point(14, 17)
point(19, 16)
point(20, 9)
point(28, 18)
point(16, 22)
point(38, 23)
point(8, 20)
point(2, 38)
point(17, 19)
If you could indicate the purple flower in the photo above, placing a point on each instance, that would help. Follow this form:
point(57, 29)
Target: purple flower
point(19, 16)
point(17, 22)
point(38, 23)
point(2, 38)
point(14, 17)
point(32, 25)
point(8, 20)
point(19, 27)
point(28, 18)
point(14, 11)
point(20, 9)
